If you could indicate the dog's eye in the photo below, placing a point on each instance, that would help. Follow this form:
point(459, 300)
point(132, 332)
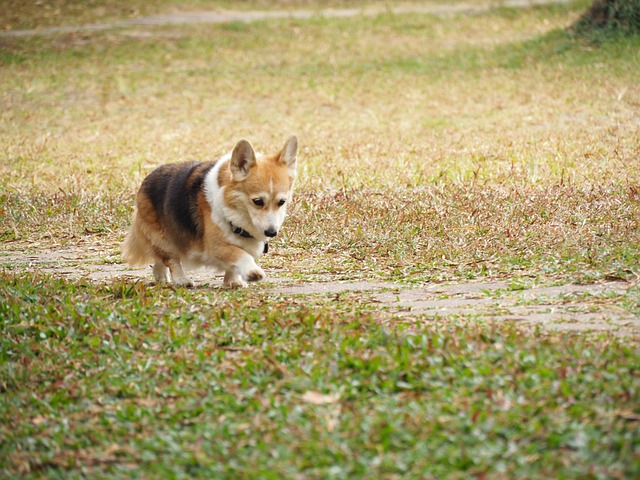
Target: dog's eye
point(281, 202)
point(258, 202)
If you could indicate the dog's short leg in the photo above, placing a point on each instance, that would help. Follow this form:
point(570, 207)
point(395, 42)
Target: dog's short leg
point(177, 273)
point(232, 279)
point(243, 270)
point(249, 270)
point(255, 275)
point(160, 272)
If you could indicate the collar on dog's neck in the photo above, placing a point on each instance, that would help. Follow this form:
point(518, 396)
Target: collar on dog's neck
point(244, 234)
point(240, 231)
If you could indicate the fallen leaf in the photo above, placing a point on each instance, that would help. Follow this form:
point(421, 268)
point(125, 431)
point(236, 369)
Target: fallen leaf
point(317, 398)
point(39, 420)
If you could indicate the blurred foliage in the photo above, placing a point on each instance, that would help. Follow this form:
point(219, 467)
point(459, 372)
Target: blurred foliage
point(610, 16)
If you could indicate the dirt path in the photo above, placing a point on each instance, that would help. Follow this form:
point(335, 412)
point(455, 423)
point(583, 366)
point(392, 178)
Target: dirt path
point(593, 307)
point(252, 16)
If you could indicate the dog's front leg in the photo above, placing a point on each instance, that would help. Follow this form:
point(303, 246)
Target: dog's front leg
point(243, 270)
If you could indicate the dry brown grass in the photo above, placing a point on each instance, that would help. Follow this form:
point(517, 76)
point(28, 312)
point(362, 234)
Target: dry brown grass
point(468, 144)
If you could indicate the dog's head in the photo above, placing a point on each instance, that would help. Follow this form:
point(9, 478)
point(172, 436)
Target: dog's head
point(261, 187)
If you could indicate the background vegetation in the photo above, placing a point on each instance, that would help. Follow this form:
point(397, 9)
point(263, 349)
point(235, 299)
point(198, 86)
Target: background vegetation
point(434, 148)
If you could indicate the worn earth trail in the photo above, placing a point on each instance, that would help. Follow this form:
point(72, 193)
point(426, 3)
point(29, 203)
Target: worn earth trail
point(252, 16)
point(589, 308)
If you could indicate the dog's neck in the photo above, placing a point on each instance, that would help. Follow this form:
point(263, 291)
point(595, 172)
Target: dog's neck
point(240, 231)
point(244, 234)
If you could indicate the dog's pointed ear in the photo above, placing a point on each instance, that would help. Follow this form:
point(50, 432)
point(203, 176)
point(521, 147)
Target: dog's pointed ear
point(243, 158)
point(289, 153)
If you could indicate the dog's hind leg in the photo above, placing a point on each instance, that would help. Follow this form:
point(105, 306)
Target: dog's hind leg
point(177, 273)
point(160, 272)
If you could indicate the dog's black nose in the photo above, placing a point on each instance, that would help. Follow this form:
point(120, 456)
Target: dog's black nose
point(271, 232)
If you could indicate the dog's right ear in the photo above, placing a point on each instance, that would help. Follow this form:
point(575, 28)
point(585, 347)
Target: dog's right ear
point(243, 158)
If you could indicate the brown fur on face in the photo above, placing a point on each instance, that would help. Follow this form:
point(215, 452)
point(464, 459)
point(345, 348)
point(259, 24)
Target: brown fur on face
point(217, 214)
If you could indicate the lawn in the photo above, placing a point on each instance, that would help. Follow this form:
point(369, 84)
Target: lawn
point(434, 148)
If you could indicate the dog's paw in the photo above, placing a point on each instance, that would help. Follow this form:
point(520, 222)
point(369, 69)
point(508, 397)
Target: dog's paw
point(183, 282)
point(249, 270)
point(255, 275)
point(235, 283)
point(160, 273)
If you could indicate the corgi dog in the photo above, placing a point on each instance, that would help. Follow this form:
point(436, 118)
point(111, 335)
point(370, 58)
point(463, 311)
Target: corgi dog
point(214, 214)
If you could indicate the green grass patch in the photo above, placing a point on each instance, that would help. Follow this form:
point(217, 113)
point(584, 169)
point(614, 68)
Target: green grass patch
point(126, 379)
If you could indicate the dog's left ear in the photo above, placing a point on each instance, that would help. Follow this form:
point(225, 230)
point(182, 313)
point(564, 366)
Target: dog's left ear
point(289, 153)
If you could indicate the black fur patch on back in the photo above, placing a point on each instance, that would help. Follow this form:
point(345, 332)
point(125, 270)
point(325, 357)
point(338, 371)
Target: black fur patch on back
point(173, 191)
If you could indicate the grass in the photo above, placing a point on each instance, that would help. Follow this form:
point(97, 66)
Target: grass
point(123, 379)
point(493, 146)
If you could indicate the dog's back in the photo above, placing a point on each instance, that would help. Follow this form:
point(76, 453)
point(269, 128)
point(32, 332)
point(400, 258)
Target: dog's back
point(166, 209)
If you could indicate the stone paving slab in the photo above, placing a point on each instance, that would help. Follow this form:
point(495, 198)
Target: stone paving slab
point(563, 307)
